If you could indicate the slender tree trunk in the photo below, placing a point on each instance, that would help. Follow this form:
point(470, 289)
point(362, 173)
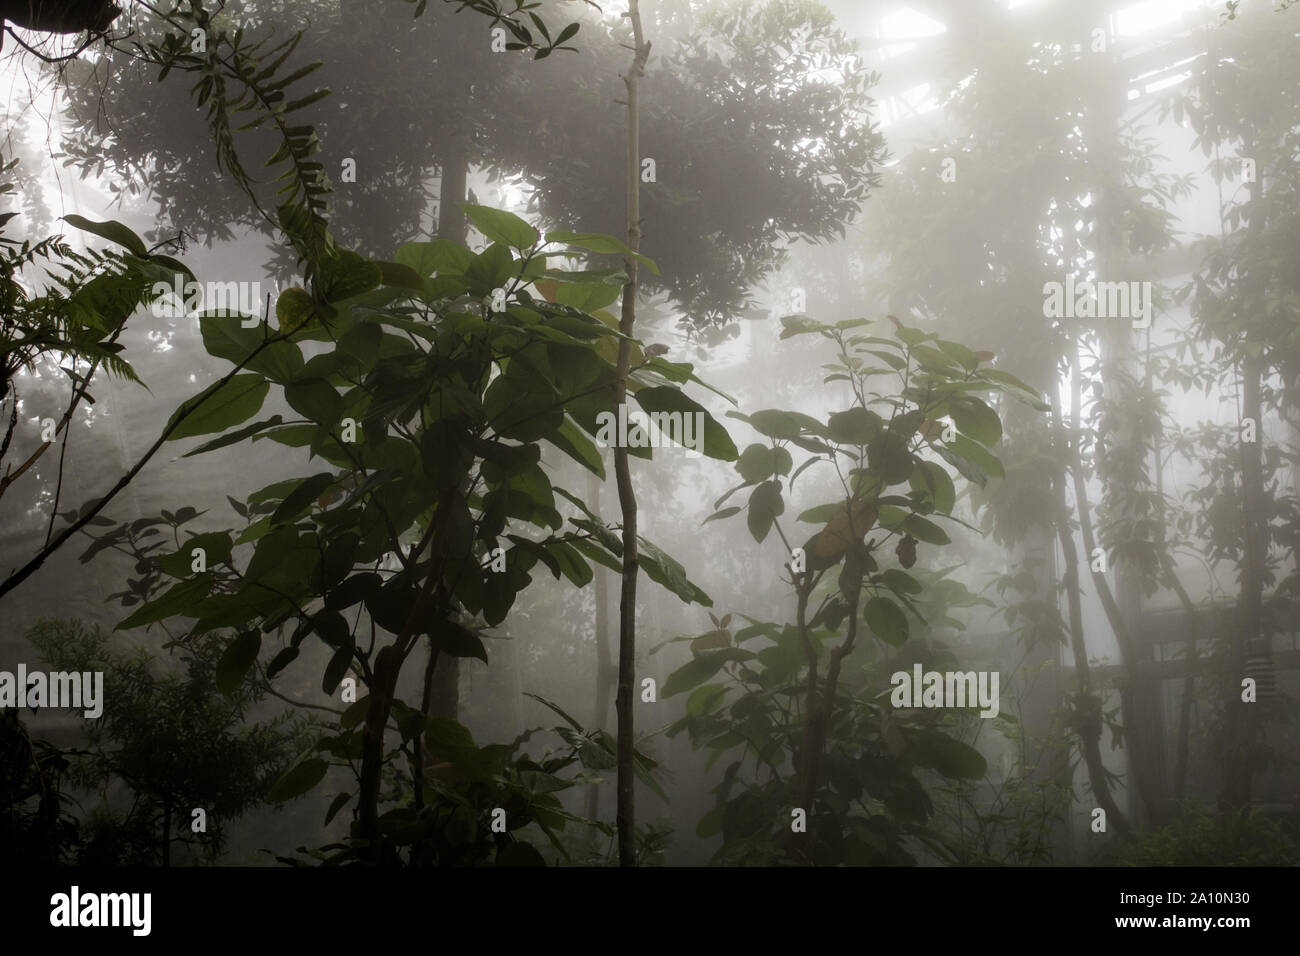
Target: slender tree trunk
point(1087, 705)
point(1139, 747)
point(1239, 766)
point(383, 685)
point(455, 175)
point(1250, 603)
point(167, 833)
point(626, 818)
point(1190, 661)
point(605, 672)
point(442, 674)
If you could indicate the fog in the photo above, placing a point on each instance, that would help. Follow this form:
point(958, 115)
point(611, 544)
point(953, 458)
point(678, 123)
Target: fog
point(1073, 233)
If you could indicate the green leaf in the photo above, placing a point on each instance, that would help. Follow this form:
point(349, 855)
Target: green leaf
point(933, 479)
point(441, 256)
point(663, 569)
point(952, 758)
point(886, 620)
point(571, 563)
point(973, 460)
point(755, 463)
point(237, 660)
point(457, 641)
point(889, 457)
point(281, 661)
point(765, 504)
point(225, 337)
point(518, 854)
point(699, 669)
point(111, 230)
point(779, 424)
point(234, 437)
point(571, 440)
point(346, 274)
point(336, 669)
point(792, 325)
point(399, 275)
point(724, 513)
point(596, 242)
point(857, 426)
point(337, 804)
point(559, 710)
point(315, 399)
point(974, 418)
point(302, 497)
point(925, 530)
point(219, 406)
point(176, 600)
point(216, 549)
point(501, 226)
point(298, 780)
point(666, 399)
point(705, 699)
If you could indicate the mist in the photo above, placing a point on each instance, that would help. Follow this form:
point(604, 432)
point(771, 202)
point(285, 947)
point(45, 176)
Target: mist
point(972, 542)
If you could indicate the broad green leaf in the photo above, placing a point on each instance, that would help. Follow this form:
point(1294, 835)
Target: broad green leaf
point(724, 513)
point(800, 325)
point(755, 463)
point(216, 549)
point(924, 530)
point(298, 780)
point(765, 504)
point(664, 399)
point(225, 337)
point(856, 426)
point(596, 242)
point(111, 230)
point(780, 424)
point(219, 406)
point(237, 660)
point(317, 400)
point(441, 256)
point(399, 275)
point(889, 457)
point(933, 479)
point(501, 226)
point(974, 418)
point(574, 442)
point(973, 460)
point(179, 599)
point(302, 497)
point(663, 569)
point(699, 669)
point(886, 620)
point(336, 669)
point(952, 758)
point(234, 437)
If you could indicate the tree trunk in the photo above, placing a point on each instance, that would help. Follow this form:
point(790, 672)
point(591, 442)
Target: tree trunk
point(1087, 705)
point(455, 176)
point(1239, 766)
point(604, 666)
point(626, 818)
point(442, 675)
